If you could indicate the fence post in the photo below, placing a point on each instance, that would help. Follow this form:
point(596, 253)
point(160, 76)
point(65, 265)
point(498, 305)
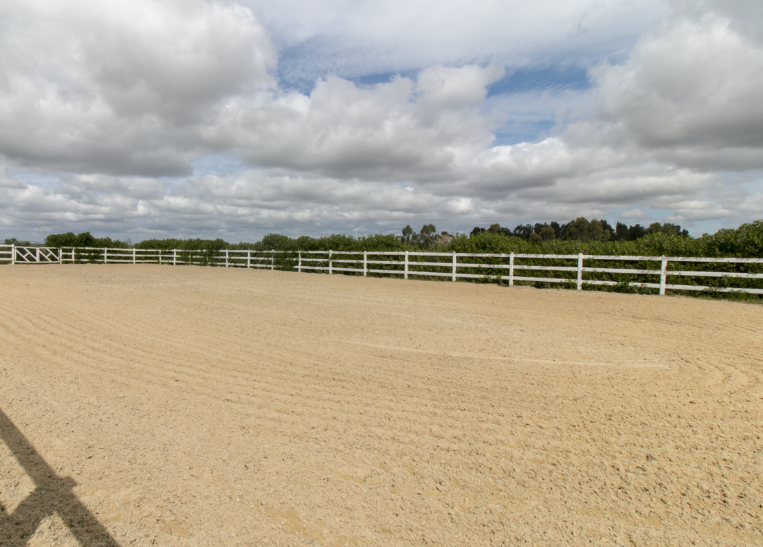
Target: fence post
point(37, 254)
point(60, 255)
point(511, 270)
point(133, 255)
point(299, 261)
point(663, 275)
point(174, 257)
point(272, 259)
point(13, 253)
point(365, 263)
point(72, 255)
point(580, 271)
point(453, 277)
point(160, 257)
point(331, 267)
point(405, 275)
point(105, 255)
point(226, 258)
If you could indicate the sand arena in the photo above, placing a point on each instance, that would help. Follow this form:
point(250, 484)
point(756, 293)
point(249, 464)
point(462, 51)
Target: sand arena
point(205, 406)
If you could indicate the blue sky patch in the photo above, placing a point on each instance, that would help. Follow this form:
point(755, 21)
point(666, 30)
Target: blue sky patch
point(541, 79)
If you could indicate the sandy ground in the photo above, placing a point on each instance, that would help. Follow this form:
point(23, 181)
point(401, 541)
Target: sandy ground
point(205, 406)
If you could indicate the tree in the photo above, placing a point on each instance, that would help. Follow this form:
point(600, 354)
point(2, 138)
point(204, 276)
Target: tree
point(14, 241)
point(623, 232)
point(637, 231)
point(85, 239)
point(523, 231)
point(426, 238)
point(494, 229)
point(581, 229)
point(667, 229)
point(546, 233)
point(498, 229)
point(407, 231)
point(276, 242)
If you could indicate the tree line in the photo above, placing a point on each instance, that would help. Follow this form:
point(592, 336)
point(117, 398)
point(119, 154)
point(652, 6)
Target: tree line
point(427, 238)
point(582, 229)
point(580, 235)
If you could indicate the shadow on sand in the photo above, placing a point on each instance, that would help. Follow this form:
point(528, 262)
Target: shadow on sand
point(52, 494)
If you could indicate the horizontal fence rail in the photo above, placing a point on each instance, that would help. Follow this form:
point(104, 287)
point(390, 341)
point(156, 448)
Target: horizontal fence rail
point(650, 272)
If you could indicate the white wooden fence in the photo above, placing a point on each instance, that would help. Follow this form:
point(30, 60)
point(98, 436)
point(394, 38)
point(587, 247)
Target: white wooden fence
point(408, 263)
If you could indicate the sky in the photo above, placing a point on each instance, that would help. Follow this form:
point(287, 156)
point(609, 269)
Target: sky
point(213, 118)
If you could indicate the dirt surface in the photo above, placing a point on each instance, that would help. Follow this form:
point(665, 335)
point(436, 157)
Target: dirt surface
point(205, 406)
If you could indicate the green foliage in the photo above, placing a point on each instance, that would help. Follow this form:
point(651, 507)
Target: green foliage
point(581, 229)
point(743, 242)
point(14, 241)
point(584, 230)
point(280, 242)
point(334, 242)
point(426, 239)
point(579, 236)
point(546, 233)
point(83, 240)
point(208, 247)
point(667, 229)
point(427, 236)
point(407, 234)
point(623, 232)
point(213, 245)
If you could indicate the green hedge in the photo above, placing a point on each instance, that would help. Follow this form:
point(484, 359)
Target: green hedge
point(743, 242)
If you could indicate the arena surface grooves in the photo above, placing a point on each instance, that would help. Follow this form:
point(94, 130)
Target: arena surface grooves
point(210, 406)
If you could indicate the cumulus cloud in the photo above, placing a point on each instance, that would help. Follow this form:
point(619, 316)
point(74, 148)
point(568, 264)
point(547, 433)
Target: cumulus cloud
point(116, 105)
point(110, 87)
point(690, 91)
point(401, 130)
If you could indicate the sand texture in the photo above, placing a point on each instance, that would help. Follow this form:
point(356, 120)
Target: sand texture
point(152, 405)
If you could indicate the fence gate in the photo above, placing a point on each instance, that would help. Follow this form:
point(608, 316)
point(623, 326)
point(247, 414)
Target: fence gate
point(36, 255)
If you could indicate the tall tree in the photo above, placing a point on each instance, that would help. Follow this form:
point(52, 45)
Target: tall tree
point(581, 229)
point(523, 231)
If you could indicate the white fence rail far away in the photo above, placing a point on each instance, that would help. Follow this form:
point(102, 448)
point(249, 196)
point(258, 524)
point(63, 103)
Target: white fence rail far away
point(512, 267)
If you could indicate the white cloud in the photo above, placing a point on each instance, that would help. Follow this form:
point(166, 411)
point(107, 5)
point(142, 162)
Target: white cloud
point(691, 90)
point(116, 104)
point(108, 86)
point(459, 206)
point(352, 39)
point(399, 130)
